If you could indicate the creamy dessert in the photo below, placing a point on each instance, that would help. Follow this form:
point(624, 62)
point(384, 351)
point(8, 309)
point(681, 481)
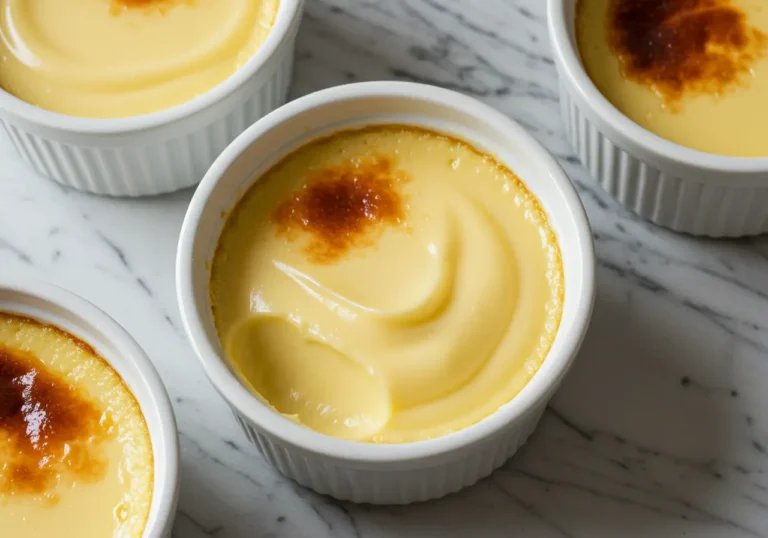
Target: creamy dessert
point(112, 58)
point(75, 452)
point(692, 71)
point(387, 285)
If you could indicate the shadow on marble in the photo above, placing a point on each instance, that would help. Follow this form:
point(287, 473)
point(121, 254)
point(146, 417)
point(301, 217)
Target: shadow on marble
point(648, 436)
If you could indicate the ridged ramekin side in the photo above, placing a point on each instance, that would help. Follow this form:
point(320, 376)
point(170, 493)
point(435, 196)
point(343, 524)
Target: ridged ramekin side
point(381, 484)
point(163, 159)
point(683, 204)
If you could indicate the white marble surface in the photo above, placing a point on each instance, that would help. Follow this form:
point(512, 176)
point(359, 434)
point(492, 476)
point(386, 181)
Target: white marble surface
point(661, 429)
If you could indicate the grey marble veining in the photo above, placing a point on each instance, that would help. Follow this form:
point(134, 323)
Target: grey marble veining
point(661, 429)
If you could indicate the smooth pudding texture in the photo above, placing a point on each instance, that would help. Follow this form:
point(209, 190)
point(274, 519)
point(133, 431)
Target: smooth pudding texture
point(75, 452)
point(387, 285)
point(112, 58)
point(692, 71)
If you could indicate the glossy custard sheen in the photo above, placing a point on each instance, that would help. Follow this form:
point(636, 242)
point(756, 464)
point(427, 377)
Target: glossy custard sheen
point(75, 452)
point(692, 71)
point(387, 285)
point(112, 58)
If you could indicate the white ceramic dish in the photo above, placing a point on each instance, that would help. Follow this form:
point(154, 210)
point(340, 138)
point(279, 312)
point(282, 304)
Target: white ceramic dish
point(668, 184)
point(360, 472)
point(163, 151)
point(53, 305)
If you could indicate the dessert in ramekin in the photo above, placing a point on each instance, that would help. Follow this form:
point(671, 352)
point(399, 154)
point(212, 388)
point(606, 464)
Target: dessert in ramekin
point(138, 98)
point(662, 102)
point(87, 435)
point(387, 284)
point(329, 218)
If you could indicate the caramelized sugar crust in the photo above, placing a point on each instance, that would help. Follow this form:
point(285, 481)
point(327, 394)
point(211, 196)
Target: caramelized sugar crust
point(52, 429)
point(678, 47)
point(343, 206)
point(163, 5)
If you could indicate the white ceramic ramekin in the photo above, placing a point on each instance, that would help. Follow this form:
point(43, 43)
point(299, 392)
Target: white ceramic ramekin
point(55, 306)
point(663, 182)
point(163, 151)
point(360, 472)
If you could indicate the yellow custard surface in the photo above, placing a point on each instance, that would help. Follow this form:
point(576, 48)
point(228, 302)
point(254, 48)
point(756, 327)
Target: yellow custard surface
point(387, 285)
point(75, 453)
point(692, 71)
point(116, 58)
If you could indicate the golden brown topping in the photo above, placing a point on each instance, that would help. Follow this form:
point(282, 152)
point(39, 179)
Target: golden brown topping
point(46, 426)
point(343, 206)
point(162, 5)
point(679, 46)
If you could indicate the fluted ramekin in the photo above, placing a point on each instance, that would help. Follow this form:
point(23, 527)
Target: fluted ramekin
point(163, 151)
point(361, 472)
point(55, 306)
point(668, 184)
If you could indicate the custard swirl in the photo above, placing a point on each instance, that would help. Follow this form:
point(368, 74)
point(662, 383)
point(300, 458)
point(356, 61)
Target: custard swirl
point(88, 58)
point(428, 330)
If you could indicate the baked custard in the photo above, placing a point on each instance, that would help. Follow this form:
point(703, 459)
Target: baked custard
point(387, 285)
point(75, 452)
point(692, 71)
point(114, 58)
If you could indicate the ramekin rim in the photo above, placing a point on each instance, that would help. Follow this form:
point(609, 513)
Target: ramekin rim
point(629, 133)
point(169, 469)
point(248, 405)
point(287, 13)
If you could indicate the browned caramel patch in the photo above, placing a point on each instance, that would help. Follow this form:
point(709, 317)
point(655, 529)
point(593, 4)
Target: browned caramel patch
point(162, 6)
point(680, 46)
point(343, 206)
point(48, 429)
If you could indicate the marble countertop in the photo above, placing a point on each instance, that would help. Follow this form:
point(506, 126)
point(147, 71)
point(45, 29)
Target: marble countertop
point(661, 428)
